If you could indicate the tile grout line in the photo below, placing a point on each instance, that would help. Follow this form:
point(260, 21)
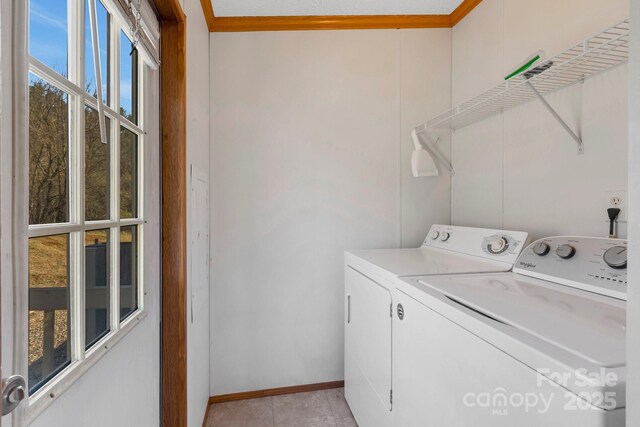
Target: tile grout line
point(333, 414)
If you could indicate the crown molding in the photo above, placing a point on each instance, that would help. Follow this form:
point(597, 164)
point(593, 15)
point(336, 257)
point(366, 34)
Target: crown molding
point(333, 22)
point(463, 10)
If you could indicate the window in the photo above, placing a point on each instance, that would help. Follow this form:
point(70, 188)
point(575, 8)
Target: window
point(86, 219)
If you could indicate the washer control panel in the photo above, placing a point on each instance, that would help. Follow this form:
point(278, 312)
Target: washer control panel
point(593, 264)
point(500, 245)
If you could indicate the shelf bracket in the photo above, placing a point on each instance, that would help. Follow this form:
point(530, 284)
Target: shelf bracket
point(555, 114)
point(422, 135)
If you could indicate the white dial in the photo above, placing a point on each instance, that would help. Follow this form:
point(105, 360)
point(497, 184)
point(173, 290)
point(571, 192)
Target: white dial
point(497, 245)
point(444, 236)
point(435, 235)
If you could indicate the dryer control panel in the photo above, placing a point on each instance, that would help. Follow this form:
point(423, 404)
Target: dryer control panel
point(593, 264)
point(500, 245)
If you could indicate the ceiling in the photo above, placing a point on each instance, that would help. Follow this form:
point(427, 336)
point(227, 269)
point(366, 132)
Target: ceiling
point(228, 8)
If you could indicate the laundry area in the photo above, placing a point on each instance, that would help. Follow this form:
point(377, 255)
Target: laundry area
point(310, 213)
point(508, 169)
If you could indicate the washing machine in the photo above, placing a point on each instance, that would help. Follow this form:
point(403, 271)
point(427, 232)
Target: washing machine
point(541, 346)
point(370, 280)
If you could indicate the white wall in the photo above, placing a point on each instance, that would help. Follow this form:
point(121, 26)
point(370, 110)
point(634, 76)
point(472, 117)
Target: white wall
point(122, 389)
point(310, 156)
point(520, 170)
point(633, 303)
point(197, 213)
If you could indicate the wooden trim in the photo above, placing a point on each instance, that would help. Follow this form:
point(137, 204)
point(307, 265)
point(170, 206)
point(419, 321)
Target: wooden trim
point(170, 10)
point(274, 392)
point(296, 23)
point(207, 8)
point(173, 93)
point(174, 224)
point(463, 10)
point(333, 22)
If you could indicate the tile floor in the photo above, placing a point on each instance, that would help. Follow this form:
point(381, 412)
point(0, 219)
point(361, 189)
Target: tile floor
point(313, 409)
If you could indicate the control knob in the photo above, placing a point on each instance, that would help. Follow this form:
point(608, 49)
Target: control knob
point(435, 235)
point(444, 236)
point(541, 248)
point(497, 245)
point(616, 257)
point(566, 251)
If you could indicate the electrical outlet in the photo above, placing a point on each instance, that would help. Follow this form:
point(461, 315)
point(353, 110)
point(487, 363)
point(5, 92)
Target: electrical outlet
point(617, 199)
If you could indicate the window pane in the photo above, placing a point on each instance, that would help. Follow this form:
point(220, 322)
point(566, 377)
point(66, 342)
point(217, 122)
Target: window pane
point(103, 41)
point(96, 168)
point(128, 173)
point(48, 152)
point(128, 79)
point(128, 271)
point(48, 33)
point(49, 336)
point(96, 284)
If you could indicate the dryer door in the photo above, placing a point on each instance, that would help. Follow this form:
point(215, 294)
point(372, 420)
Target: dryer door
point(367, 350)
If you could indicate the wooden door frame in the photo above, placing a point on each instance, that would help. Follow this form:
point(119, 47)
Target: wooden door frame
point(173, 68)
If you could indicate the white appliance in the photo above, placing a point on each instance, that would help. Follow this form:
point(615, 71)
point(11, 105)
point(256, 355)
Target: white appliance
point(369, 284)
point(542, 346)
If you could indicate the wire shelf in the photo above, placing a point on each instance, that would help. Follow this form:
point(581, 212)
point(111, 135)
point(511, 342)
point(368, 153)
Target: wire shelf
point(593, 56)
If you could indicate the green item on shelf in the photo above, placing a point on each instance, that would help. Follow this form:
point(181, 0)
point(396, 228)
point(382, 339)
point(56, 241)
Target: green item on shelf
point(524, 67)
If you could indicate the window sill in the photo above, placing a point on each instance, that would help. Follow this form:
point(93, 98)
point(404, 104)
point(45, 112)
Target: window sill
point(50, 392)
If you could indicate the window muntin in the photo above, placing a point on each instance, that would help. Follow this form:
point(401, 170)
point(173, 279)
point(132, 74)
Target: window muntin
point(87, 199)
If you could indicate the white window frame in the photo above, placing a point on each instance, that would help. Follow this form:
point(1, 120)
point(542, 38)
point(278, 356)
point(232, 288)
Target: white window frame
point(81, 358)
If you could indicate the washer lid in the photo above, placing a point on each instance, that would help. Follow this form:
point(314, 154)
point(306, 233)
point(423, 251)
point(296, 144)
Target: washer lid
point(589, 326)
